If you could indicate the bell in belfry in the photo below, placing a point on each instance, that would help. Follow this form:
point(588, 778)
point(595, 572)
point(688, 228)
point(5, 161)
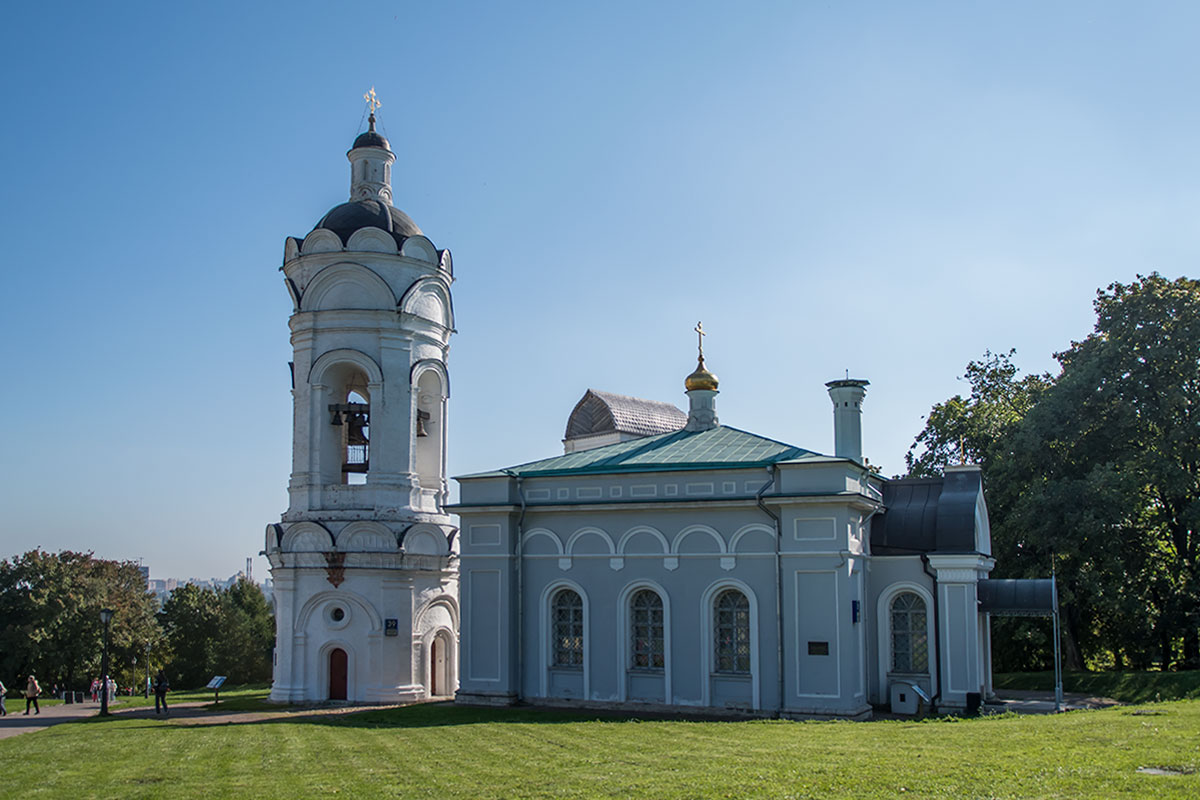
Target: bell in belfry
point(356, 431)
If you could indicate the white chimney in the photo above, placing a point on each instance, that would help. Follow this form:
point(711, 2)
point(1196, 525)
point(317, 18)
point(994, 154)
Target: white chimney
point(847, 396)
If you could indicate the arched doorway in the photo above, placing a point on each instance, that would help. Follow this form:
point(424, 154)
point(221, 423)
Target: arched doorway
point(337, 674)
point(437, 668)
point(441, 679)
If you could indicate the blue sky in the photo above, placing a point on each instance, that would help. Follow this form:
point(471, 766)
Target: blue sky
point(888, 188)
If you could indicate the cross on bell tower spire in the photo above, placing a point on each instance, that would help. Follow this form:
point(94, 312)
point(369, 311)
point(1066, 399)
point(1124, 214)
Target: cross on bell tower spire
point(372, 101)
point(371, 160)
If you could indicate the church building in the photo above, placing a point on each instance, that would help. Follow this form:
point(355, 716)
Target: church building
point(668, 561)
point(663, 561)
point(365, 583)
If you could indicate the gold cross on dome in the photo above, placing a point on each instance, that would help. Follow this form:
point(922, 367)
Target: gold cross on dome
point(699, 329)
point(372, 101)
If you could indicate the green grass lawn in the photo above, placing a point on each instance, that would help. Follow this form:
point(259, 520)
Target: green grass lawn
point(1128, 687)
point(234, 698)
point(444, 751)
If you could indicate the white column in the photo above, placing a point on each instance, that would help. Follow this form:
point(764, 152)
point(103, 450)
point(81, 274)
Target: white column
point(960, 644)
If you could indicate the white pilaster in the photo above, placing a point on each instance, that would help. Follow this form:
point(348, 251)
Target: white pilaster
point(962, 655)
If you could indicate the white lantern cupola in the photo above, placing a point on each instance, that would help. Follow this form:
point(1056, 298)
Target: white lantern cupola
point(371, 160)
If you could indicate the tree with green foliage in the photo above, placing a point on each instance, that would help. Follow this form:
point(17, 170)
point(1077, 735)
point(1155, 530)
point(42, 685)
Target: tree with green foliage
point(1119, 438)
point(50, 611)
point(1095, 473)
point(191, 622)
point(971, 428)
point(218, 632)
point(248, 636)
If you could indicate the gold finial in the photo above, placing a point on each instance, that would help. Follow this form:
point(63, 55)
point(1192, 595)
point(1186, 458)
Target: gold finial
point(372, 101)
point(701, 378)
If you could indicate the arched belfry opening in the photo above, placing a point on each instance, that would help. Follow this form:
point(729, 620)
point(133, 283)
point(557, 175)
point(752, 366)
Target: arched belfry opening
point(430, 437)
point(345, 426)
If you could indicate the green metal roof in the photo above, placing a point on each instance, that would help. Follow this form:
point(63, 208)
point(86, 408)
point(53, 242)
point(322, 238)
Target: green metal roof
point(678, 450)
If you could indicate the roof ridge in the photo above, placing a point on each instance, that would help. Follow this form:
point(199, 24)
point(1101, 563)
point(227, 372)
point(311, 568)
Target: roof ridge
point(596, 450)
point(604, 393)
point(769, 439)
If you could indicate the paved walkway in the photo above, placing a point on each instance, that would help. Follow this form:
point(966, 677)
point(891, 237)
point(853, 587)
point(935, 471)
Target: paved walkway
point(17, 723)
point(195, 713)
point(1043, 702)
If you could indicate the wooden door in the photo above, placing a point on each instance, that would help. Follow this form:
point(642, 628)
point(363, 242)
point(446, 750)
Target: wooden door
point(437, 672)
point(337, 674)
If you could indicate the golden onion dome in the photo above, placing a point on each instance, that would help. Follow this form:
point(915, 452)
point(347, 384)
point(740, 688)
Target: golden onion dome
point(701, 378)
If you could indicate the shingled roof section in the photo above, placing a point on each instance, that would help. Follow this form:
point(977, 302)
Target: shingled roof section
point(604, 412)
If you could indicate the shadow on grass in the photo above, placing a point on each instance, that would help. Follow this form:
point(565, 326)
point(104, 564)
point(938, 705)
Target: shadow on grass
point(423, 715)
point(448, 714)
point(1128, 687)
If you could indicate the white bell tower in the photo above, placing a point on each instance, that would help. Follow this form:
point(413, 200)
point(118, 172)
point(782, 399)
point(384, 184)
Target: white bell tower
point(363, 560)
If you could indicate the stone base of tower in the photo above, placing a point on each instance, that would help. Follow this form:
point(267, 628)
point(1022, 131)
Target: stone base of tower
point(387, 632)
point(397, 696)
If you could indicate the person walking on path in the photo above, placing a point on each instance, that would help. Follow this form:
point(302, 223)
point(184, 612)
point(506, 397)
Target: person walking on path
point(161, 687)
point(3, 700)
point(32, 690)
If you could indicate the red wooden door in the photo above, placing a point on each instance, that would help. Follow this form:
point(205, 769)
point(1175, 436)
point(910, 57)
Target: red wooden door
point(337, 674)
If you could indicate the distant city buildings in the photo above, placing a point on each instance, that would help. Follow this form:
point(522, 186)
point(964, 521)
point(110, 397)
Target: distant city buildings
point(163, 587)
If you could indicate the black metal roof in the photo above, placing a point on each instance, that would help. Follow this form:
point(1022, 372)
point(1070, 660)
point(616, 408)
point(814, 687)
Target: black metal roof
point(347, 218)
point(1018, 597)
point(926, 515)
point(371, 138)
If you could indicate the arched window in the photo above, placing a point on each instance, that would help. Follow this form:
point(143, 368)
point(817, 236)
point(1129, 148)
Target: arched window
point(646, 627)
point(430, 434)
point(731, 623)
point(566, 611)
point(345, 449)
point(910, 638)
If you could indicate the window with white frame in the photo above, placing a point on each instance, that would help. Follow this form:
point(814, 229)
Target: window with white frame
point(566, 616)
point(646, 628)
point(731, 624)
point(910, 636)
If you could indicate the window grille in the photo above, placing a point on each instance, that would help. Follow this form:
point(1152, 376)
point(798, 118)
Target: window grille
point(646, 617)
point(910, 638)
point(732, 624)
point(567, 618)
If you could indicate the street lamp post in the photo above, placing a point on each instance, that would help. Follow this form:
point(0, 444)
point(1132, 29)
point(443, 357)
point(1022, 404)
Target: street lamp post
point(106, 615)
point(146, 693)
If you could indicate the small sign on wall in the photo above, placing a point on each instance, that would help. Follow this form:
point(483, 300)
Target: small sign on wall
point(391, 627)
point(818, 648)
